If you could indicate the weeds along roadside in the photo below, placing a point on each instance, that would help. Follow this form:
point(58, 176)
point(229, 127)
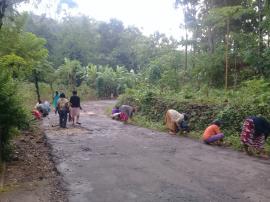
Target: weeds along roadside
point(231, 107)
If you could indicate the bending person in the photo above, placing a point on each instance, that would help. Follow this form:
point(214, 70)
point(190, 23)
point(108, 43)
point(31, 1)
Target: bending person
point(115, 110)
point(128, 110)
point(122, 113)
point(255, 131)
point(176, 121)
point(212, 133)
point(43, 108)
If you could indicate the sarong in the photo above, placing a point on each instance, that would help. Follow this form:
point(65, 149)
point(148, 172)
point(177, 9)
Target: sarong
point(74, 111)
point(248, 135)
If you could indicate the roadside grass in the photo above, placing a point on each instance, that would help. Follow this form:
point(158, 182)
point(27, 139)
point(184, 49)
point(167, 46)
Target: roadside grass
point(267, 146)
point(143, 121)
point(8, 188)
point(108, 110)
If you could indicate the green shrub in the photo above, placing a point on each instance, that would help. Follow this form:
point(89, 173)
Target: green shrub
point(145, 122)
point(233, 140)
point(154, 106)
point(233, 115)
point(12, 114)
point(232, 107)
point(86, 93)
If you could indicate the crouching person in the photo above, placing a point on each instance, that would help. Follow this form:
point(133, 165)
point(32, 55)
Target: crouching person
point(36, 114)
point(43, 108)
point(127, 110)
point(115, 110)
point(120, 116)
point(255, 131)
point(176, 121)
point(123, 113)
point(212, 133)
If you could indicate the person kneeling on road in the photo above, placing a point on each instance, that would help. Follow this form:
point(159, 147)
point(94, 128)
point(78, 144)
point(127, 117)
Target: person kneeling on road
point(212, 133)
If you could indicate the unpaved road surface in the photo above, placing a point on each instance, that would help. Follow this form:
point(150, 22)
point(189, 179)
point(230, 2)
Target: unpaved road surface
point(30, 176)
point(108, 161)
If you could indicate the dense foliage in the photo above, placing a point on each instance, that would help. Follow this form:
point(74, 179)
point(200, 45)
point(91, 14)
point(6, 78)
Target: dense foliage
point(202, 107)
point(228, 41)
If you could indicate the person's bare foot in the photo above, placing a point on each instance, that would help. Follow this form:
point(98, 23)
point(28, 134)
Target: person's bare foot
point(247, 150)
point(220, 142)
point(172, 133)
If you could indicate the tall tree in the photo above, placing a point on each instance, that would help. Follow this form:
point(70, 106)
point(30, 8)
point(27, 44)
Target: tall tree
point(71, 73)
point(8, 9)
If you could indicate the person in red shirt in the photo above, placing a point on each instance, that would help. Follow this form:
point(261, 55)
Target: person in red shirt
point(36, 114)
point(212, 133)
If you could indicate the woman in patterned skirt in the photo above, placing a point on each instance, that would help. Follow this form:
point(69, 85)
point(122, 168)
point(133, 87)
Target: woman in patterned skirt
point(254, 134)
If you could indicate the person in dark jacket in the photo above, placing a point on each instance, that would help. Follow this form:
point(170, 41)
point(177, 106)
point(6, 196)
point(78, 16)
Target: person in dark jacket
point(75, 107)
point(255, 131)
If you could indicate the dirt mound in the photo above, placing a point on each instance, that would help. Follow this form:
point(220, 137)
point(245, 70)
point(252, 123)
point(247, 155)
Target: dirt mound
point(31, 175)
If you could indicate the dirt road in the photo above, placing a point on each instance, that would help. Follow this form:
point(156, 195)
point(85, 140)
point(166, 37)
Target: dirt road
point(108, 161)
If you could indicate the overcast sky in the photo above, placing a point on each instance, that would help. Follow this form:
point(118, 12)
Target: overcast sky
point(148, 15)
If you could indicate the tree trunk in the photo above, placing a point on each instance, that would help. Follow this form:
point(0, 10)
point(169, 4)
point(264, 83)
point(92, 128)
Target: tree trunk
point(260, 35)
point(194, 47)
point(268, 39)
point(260, 10)
point(51, 87)
point(37, 86)
point(186, 48)
point(210, 41)
point(226, 55)
point(235, 74)
point(1, 146)
point(3, 6)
